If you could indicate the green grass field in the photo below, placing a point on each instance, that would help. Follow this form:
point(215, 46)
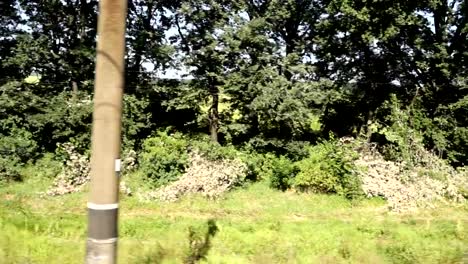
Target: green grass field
point(254, 225)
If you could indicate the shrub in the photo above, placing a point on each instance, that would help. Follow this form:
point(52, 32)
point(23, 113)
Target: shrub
point(463, 186)
point(171, 160)
point(163, 158)
point(60, 117)
point(329, 169)
point(259, 166)
point(9, 169)
point(15, 150)
point(212, 150)
point(406, 142)
point(293, 150)
point(410, 132)
point(46, 167)
point(18, 144)
point(453, 121)
point(282, 172)
point(279, 171)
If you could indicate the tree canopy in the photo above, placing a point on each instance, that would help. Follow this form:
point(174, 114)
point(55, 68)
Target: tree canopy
point(266, 73)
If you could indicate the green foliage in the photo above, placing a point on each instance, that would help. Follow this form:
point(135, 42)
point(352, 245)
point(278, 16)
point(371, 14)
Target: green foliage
point(20, 144)
point(65, 118)
point(283, 172)
point(284, 72)
point(10, 169)
point(279, 171)
point(68, 119)
point(136, 120)
point(406, 141)
point(212, 150)
point(409, 133)
point(463, 189)
point(294, 150)
point(283, 108)
point(258, 165)
point(329, 169)
point(60, 52)
point(56, 119)
point(15, 150)
point(163, 158)
point(454, 122)
point(44, 168)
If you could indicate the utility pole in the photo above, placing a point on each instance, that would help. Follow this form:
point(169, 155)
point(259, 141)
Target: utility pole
point(101, 246)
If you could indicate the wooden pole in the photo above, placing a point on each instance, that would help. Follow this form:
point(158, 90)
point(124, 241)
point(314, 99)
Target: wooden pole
point(105, 142)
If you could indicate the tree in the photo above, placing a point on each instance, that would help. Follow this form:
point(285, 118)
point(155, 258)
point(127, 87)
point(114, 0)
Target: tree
point(273, 84)
point(147, 26)
point(202, 26)
point(9, 21)
point(389, 47)
point(58, 42)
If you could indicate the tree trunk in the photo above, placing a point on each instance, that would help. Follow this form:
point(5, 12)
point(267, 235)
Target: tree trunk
point(214, 113)
point(370, 117)
point(74, 92)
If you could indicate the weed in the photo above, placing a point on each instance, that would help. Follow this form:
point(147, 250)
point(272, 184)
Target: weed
point(200, 242)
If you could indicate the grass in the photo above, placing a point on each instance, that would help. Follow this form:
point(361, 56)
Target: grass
point(253, 225)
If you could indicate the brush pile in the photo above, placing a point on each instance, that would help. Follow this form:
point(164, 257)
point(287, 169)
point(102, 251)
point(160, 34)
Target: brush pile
point(203, 176)
point(407, 188)
point(76, 172)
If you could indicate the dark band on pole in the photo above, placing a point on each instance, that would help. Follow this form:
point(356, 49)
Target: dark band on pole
point(102, 222)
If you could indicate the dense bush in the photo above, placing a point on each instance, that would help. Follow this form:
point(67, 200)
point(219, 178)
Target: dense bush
point(64, 118)
point(212, 150)
point(409, 132)
point(259, 165)
point(163, 158)
point(9, 169)
point(329, 169)
point(283, 172)
point(15, 150)
point(454, 121)
point(292, 149)
point(404, 131)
